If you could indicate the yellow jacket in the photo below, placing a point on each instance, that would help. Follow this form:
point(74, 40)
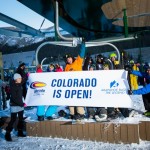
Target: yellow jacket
point(134, 79)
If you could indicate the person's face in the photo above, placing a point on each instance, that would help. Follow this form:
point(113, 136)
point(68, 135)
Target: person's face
point(148, 71)
point(99, 60)
point(113, 58)
point(23, 67)
point(90, 61)
point(69, 60)
point(51, 68)
point(57, 66)
point(18, 80)
point(91, 69)
point(106, 68)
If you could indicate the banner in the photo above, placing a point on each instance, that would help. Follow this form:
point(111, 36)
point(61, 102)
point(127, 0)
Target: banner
point(103, 88)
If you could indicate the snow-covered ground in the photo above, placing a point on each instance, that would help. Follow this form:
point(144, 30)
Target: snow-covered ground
point(37, 143)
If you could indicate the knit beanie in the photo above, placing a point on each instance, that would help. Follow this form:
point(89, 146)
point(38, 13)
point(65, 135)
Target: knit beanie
point(16, 76)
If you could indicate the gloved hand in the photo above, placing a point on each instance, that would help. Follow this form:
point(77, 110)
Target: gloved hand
point(130, 92)
point(24, 105)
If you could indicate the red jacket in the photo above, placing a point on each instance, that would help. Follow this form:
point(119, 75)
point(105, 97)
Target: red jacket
point(59, 69)
point(39, 70)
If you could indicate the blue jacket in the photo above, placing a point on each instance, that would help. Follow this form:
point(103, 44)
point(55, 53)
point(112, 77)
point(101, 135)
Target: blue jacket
point(142, 91)
point(141, 74)
point(145, 89)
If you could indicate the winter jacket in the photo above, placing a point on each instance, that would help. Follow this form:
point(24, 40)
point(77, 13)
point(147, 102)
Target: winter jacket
point(59, 69)
point(116, 65)
point(16, 94)
point(145, 89)
point(142, 91)
point(134, 78)
point(77, 64)
point(39, 70)
point(141, 74)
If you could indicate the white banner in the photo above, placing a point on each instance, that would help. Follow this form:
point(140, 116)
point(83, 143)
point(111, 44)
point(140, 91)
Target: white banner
point(106, 88)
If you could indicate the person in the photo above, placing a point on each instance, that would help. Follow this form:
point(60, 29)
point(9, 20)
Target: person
point(7, 91)
point(106, 67)
point(113, 113)
point(51, 68)
point(145, 91)
point(87, 63)
point(133, 78)
point(21, 70)
point(140, 68)
point(101, 112)
point(146, 65)
point(99, 62)
point(2, 86)
point(41, 109)
point(16, 106)
point(58, 68)
point(73, 64)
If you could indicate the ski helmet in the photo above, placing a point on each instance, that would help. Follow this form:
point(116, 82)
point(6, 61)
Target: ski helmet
point(113, 55)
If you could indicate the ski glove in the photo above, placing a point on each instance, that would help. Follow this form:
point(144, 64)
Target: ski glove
point(130, 92)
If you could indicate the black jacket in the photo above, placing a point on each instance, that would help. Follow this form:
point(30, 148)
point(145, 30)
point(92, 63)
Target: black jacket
point(16, 94)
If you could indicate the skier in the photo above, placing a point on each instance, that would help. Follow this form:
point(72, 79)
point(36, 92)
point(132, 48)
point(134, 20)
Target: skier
point(145, 91)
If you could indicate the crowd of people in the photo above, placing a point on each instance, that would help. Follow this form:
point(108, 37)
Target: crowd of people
point(17, 90)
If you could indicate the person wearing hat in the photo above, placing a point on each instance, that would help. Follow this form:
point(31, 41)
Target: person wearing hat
point(116, 63)
point(145, 91)
point(16, 106)
point(99, 62)
point(76, 65)
point(51, 68)
point(112, 112)
point(21, 70)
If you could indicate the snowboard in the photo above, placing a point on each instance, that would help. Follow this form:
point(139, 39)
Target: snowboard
point(106, 120)
point(78, 122)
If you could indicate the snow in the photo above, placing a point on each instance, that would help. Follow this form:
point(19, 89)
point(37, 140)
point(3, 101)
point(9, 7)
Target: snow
point(43, 143)
point(19, 42)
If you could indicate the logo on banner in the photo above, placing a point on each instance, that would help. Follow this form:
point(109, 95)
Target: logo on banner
point(114, 84)
point(36, 85)
point(114, 88)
